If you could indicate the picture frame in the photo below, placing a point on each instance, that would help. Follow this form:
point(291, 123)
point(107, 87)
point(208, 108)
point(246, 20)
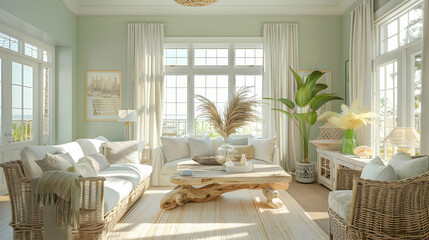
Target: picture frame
point(103, 95)
point(325, 79)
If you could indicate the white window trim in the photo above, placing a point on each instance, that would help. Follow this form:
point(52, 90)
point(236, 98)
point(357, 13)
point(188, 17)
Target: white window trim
point(23, 38)
point(208, 42)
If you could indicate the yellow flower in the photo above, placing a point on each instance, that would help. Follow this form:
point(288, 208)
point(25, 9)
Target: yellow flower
point(351, 117)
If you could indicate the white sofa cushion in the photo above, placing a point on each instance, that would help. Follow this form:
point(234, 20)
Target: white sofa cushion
point(263, 148)
point(175, 148)
point(73, 148)
point(31, 153)
point(200, 146)
point(216, 143)
point(121, 179)
point(170, 167)
point(377, 171)
point(90, 146)
point(407, 167)
point(115, 189)
point(239, 140)
point(121, 152)
point(339, 202)
point(135, 173)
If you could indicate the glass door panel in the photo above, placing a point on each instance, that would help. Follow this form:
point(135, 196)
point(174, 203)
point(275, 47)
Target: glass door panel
point(22, 102)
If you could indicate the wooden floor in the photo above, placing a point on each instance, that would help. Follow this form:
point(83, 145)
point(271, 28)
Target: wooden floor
point(313, 198)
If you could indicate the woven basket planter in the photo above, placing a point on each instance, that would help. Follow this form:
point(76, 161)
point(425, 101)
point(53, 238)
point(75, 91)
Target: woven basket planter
point(195, 3)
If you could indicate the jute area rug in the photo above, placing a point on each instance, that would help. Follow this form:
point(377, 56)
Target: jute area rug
point(236, 215)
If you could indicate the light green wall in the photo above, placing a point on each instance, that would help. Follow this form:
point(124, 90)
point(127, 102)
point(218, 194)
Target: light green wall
point(102, 46)
point(52, 22)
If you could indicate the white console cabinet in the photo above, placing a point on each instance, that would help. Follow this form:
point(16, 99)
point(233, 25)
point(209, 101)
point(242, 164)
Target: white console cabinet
point(328, 162)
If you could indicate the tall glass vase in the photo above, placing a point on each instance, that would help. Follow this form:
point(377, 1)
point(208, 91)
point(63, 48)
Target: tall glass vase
point(226, 152)
point(349, 142)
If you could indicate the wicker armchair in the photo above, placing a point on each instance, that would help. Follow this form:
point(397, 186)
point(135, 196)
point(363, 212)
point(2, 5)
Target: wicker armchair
point(382, 210)
point(27, 218)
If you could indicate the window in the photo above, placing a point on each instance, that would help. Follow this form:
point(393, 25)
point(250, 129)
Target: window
point(397, 85)
point(402, 30)
point(210, 73)
point(248, 56)
point(30, 50)
point(9, 42)
point(22, 102)
point(176, 57)
point(176, 105)
point(211, 57)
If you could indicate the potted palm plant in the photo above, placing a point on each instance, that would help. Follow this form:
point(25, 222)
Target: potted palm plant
point(303, 111)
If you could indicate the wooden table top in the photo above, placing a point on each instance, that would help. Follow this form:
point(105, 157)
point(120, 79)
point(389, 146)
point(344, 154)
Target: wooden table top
point(208, 174)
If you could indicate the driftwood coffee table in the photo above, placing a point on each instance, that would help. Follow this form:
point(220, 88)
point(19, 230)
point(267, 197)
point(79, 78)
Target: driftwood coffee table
point(215, 181)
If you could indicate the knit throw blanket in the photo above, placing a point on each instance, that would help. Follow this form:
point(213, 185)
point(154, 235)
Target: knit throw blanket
point(61, 189)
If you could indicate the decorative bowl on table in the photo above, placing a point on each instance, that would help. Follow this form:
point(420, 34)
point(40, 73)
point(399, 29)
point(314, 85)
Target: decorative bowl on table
point(330, 145)
point(206, 160)
point(236, 167)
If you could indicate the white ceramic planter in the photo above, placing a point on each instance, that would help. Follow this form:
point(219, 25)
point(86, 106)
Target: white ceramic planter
point(305, 172)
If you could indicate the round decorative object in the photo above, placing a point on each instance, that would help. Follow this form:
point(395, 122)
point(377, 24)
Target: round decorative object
point(330, 145)
point(305, 172)
point(195, 3)
point(330, 137)
point(226, 152)
point(211, 160)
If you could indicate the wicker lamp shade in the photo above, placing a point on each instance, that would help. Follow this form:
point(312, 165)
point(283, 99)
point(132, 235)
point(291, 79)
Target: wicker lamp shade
point(404, 137)
point(195, 3)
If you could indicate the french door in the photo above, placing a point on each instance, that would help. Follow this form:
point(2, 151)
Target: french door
point(18, 107)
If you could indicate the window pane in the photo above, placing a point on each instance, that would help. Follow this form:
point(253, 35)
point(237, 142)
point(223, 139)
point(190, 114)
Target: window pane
point(8, 42)
point(176, 57)
point(248, 56)
point(16, 73)
point(175, 106)
point(254, 83)
point(30, 50)
point(392, 28)
point(211, 57)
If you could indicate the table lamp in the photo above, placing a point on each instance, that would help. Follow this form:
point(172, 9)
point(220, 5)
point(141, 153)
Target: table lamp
point(127, 116)
point(404, 138)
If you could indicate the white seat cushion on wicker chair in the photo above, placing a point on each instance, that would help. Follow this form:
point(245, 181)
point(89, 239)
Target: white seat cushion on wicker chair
point(121, 179)
point(339, 202)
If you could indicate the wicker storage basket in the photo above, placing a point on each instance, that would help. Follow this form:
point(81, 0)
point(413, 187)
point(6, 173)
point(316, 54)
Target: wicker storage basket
point(330, 137)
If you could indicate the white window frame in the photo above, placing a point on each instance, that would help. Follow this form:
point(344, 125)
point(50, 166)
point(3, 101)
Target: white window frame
point(50, 64)
point(402, 55)
point(231, 70)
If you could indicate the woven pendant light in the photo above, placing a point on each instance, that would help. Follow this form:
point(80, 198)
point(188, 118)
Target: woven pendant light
point(195, 3)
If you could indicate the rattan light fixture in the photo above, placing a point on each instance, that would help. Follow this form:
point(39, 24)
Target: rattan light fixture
point(195, 3)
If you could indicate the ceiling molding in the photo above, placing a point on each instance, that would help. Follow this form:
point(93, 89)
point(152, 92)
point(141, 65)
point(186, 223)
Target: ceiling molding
point(76, 8)
point(345, 5)
point(72, 5)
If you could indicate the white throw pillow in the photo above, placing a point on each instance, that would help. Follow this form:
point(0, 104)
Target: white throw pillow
point(200, 146)
point(121, 152)
point(407, 167)
point(263, 148)
point(175, 148)
point(84, 169)
point(97, 161)
point(376, 170)
point(216, 143)
point(239, 139)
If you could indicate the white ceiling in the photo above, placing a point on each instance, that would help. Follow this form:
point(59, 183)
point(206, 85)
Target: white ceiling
point(222, 7)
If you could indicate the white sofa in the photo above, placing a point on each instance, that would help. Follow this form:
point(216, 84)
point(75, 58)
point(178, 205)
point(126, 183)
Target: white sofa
point(106, 198)
point(163, 169)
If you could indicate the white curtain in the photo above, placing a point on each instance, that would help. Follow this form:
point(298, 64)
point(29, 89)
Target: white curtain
point(281, 51)
point(146, 64)
point(361, 54)
point(424, 134)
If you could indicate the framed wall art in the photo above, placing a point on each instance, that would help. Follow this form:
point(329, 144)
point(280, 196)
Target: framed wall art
point(325, 79)
point(103, 95)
